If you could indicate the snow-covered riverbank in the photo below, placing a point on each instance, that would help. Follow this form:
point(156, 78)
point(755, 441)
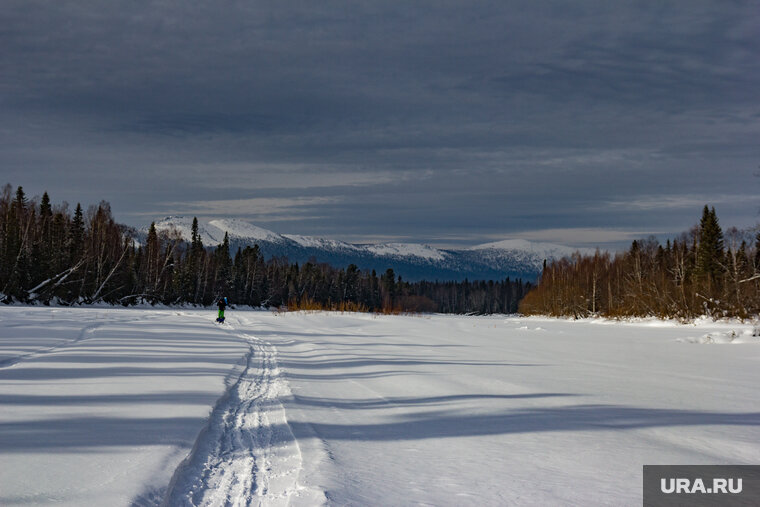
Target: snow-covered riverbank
point(121, 406)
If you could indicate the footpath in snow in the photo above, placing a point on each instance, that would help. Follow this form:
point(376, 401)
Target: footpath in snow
point(139, 407)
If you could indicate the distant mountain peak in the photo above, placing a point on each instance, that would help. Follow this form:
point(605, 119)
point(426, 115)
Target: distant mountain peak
point(210, 236)
point(242, 229)
point(552, 249)
point(407, 250)
point(497, 260)
point(314, 242)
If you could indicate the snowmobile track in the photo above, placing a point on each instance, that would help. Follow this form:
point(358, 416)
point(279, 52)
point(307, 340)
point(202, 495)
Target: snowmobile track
point(247, 454)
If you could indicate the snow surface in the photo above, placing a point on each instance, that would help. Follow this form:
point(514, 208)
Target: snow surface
point(539, 250)
point(313, 242)
point(210, 235)
point(407, 250)
point(240, 229)
point(107, 406)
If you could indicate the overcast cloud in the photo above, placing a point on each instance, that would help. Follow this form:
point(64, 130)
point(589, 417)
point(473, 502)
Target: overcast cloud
point(586, 123)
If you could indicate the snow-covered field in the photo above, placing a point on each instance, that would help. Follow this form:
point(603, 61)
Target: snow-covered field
point(103, 406)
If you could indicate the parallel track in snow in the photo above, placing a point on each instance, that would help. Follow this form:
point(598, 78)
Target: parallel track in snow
point(247, 454)
point(13, 361)
point(85, 333)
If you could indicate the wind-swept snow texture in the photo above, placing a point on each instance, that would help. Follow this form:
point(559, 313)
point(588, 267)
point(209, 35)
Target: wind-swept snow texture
point(120, 407)
point(100, 406)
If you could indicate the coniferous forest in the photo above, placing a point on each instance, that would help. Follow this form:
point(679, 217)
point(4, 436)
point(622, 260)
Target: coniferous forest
point(50, 254)
point(704, 272)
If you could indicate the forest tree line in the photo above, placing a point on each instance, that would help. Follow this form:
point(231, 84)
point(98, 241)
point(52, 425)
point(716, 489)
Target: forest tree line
point(704, 272)
point(49, 254)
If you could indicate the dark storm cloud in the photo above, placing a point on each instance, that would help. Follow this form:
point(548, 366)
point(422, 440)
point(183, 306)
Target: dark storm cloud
point(441, 121)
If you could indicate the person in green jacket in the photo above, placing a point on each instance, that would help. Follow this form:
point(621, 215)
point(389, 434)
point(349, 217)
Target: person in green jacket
point(222, 304)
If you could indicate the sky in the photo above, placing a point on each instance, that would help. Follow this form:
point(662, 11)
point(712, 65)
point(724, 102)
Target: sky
point(451, 123)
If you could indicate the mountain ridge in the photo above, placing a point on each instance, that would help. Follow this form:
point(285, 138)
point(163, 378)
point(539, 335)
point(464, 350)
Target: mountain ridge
point(511, 258)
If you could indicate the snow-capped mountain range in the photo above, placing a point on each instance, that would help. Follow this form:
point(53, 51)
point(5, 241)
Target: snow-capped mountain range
point(514, 258)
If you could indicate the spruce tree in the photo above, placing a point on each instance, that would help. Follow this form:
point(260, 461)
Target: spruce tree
point(21, 200)
point(223, 276)
point(44, 243)
point(710, 249)
point(15, 259)
point(195, 238)
point(152, 260)
point(58, 242)
point(11, 242)
point(75, 236)
point(46, 210)
point(195, 264)
point(388, 285)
